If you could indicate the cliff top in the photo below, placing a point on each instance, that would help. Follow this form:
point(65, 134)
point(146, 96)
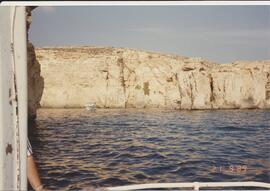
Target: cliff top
point(106, 50)
point(111, 51)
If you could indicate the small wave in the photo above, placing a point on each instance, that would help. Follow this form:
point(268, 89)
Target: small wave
point(124, 155)
point(230, 128)
point(153, 140)
point(140, 176)
point(155, 156)
point(236, 128)
point(113, 181)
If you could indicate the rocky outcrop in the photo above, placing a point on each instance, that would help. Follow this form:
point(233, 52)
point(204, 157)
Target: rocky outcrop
point(126, 78)
point(35, 81)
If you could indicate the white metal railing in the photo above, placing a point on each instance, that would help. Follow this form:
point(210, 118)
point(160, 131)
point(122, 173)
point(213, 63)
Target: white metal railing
point(13, 98)
point(190, 185)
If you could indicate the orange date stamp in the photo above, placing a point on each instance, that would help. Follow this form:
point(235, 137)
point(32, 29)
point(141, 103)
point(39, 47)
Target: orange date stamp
point(232, 169)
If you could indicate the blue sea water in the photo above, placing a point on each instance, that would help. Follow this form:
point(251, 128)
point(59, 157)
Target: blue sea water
point(75, 149)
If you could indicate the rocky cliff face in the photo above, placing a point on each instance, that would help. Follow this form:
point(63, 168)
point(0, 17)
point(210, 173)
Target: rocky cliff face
point(35, 81)
point(126, 78)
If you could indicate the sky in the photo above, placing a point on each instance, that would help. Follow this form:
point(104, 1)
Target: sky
point(221, 34)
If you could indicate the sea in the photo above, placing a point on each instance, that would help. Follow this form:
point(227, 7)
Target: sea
point(76, 149)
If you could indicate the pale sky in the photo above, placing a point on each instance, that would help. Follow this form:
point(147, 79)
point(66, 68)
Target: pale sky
point(218, 33)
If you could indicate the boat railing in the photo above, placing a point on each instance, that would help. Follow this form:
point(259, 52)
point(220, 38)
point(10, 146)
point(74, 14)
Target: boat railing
point(189, 185)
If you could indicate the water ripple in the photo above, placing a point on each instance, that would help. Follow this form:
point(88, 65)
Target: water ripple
point(76, 149)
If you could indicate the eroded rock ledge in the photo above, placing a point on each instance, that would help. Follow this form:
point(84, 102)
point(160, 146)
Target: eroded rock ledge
point(127, 78)
point(34, 80)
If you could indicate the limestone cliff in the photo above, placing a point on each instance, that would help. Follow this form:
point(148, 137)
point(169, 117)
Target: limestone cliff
point(35, 81)
point(126, 78)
